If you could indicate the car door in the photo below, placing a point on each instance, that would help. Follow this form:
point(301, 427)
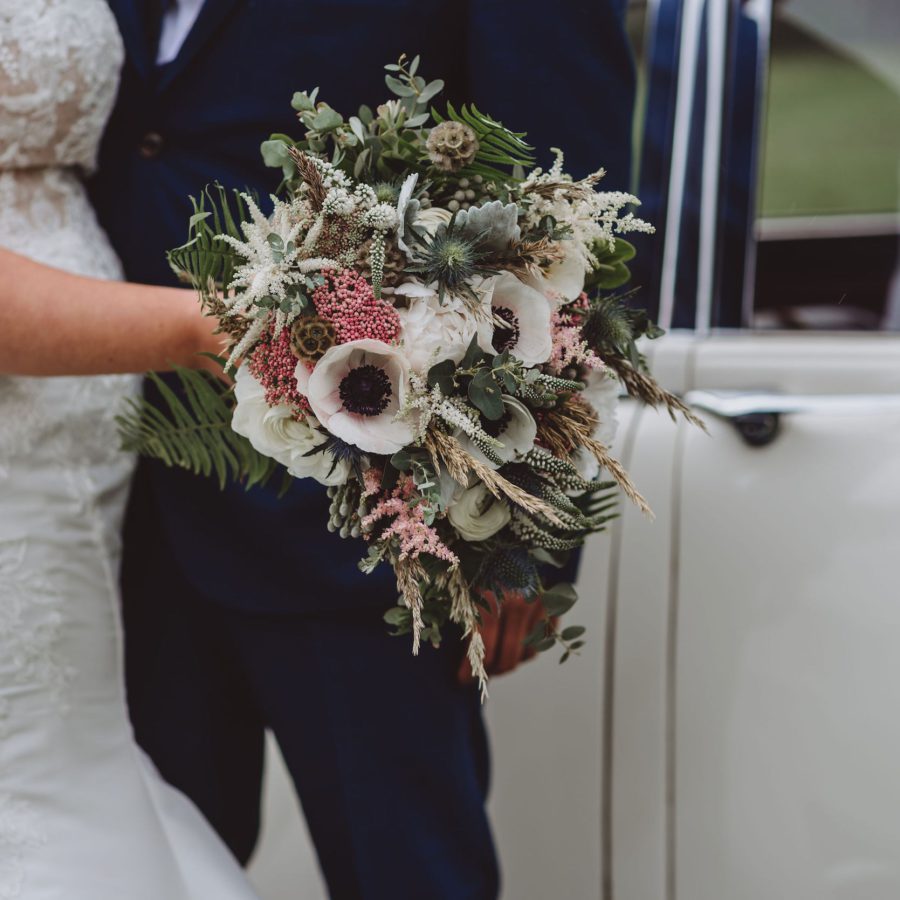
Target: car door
point(753, 673)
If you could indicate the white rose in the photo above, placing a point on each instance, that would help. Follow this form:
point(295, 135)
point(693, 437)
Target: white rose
point(477, 515)
point(432, 331)
point(274, 432)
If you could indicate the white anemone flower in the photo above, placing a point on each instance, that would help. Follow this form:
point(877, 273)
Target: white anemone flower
point(274, 432)
point(526, 313)
point(432, 331)
point(356, 391)
point(516, 431)
point(564, 279)
point(477, 515)
point(602, 392)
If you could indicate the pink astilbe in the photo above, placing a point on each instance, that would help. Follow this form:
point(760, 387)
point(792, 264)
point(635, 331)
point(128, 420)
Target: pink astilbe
point(408, 527)
point(569, 347)
point(273, 364)
point(372, 481)
point(347, 301)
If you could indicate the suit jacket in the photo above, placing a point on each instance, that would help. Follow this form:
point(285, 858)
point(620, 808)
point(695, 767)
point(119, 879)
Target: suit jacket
point(562, 72)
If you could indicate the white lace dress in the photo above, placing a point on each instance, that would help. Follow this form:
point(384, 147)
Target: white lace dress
point(83, 815)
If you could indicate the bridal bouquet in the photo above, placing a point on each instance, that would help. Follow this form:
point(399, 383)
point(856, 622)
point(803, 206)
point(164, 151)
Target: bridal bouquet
point(424, 323)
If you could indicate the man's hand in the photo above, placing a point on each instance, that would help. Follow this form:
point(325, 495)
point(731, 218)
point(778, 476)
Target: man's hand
point(504, 633)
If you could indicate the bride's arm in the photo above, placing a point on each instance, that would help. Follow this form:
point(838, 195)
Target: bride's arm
point(56, 323)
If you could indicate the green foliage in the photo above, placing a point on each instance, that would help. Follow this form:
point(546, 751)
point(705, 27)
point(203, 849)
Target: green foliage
point(204, 259)
point(611, 271)
point(194, 432)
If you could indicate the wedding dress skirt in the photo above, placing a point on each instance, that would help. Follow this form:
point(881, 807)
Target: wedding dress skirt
point(83, 814)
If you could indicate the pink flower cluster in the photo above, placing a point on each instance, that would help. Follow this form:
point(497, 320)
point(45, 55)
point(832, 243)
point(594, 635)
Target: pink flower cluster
point(408, 527)
point(348, 302)
point(273, 364)
point(569, 347)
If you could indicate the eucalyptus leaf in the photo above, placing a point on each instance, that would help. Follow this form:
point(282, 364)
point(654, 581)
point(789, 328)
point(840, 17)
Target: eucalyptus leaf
point(396, 86)
point(486, 396)
point(559, 599)
point(327, 119)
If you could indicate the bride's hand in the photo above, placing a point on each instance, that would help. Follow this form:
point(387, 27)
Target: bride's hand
point(55, 323)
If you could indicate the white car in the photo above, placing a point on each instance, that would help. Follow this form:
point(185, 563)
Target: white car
point(732, 729)
point(734, 733)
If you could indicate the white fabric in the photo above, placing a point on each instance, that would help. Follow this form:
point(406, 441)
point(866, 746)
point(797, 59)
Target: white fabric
point(83, 814)
point(178, 20)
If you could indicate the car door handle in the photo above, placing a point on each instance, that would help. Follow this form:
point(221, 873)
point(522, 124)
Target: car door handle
point(757, 414)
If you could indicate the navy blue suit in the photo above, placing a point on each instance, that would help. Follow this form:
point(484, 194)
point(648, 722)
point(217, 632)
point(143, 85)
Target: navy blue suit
point(242, 613)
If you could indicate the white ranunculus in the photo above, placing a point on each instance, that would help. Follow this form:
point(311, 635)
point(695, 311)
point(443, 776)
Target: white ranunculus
point(356, 390)
point(274, 432)
point(517, 432)
point(528, 313)
point(432, 331)
point(477, 515)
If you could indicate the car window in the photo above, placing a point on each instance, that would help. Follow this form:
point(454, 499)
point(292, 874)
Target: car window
point(827, 204)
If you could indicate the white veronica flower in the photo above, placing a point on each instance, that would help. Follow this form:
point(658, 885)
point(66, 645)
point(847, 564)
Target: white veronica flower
point(477, 515)
point(432, 331)
point(527, 314)
point(356, 390)
point(274, 432)
point(516, 432)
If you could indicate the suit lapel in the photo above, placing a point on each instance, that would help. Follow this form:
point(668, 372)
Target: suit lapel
point(212, 15)
point(129, 16)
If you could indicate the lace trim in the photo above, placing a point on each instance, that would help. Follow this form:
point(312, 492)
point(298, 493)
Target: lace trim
point(19, 834)
point(31, 624)
point(59, 62)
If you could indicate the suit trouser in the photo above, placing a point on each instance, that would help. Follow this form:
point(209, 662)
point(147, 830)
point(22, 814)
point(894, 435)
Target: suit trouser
point(388, 754)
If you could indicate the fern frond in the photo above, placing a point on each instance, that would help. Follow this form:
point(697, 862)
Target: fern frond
point(204, 259)
point(194, 431)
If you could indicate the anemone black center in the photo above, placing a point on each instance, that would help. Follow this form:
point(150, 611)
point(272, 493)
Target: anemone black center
point(366, 391)
point(506, 338)
point(496, 427)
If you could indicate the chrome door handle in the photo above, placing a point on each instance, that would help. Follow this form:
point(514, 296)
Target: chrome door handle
point(757, 414)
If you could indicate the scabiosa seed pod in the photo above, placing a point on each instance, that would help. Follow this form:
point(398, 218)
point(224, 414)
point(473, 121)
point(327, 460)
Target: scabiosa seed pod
point(311, 337)
point(451, 145)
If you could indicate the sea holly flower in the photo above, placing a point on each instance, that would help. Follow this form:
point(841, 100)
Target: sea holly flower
point(356, 391)
point(521, 321)
point(275, 431)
